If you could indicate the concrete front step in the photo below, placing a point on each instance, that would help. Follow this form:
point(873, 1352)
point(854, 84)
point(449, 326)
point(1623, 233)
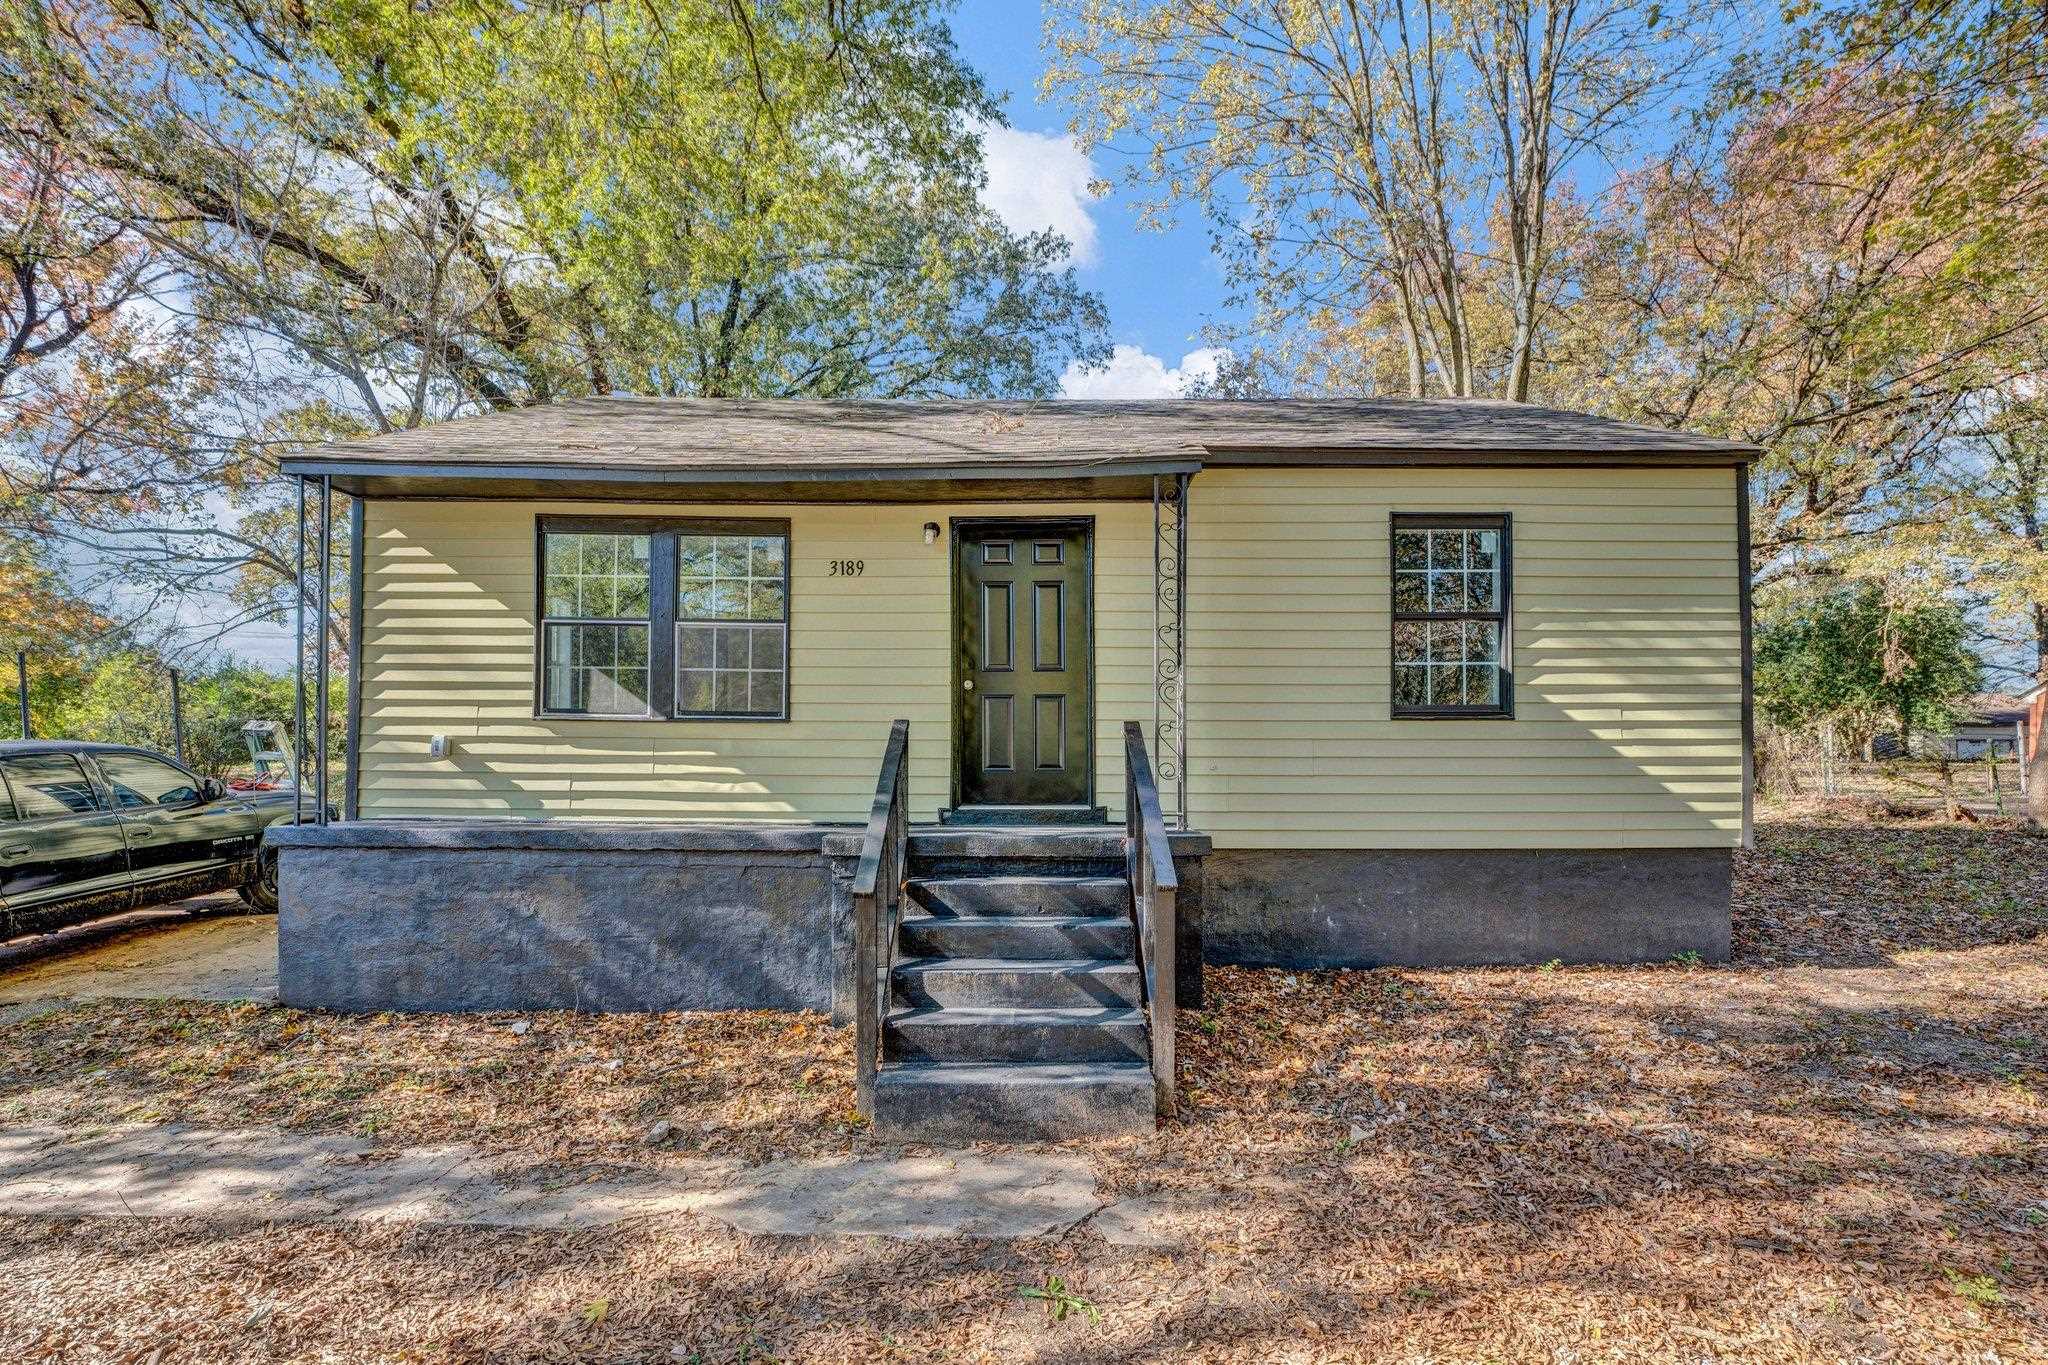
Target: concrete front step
point(1050, 894)
point(951, 1102)
point(967, 851)
point(1006, 982)
point(1025, 937)
point(1017, 1035)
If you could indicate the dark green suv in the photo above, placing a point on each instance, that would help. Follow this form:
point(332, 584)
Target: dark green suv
point(94, 829)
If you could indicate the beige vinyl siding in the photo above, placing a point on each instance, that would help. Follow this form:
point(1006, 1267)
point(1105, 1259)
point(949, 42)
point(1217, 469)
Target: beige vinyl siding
point(1626, 653)
point(448, 648)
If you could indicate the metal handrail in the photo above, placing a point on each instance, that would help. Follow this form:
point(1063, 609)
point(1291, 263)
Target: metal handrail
point(878, 907)
point(1148, 863)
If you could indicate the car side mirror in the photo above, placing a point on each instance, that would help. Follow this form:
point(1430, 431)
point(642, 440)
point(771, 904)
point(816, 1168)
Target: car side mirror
point(211, 789)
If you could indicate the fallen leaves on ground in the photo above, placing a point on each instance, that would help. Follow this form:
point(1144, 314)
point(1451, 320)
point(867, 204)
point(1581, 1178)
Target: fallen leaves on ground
point(1832, 1149)
point(552, 1088)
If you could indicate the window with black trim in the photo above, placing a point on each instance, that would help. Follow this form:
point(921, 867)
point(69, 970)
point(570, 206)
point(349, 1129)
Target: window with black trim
point(597, 591)
point(732, 624)
point(663, 618)
point(1451, 615)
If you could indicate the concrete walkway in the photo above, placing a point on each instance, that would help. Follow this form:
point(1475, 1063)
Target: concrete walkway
point(171, 1171)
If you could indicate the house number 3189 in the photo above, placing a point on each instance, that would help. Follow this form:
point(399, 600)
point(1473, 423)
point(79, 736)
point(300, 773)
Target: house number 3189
point(849, 568)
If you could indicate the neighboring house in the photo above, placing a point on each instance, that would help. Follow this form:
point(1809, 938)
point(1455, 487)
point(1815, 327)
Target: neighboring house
point(1418, 682)
point(1992, 724)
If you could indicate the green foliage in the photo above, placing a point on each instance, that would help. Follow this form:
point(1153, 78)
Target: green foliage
point(459, 205)
point(59, 632)
point(418, 211)
point(1061, 1301)
point(125, 698)
point(1981, 1290)
point(1854, 656)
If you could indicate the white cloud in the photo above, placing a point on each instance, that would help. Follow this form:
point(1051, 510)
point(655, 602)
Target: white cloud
point(1041, 180)
point(1135, 373)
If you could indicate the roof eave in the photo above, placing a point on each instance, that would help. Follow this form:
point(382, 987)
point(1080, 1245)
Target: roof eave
point(316, 466)
point(1256, 457)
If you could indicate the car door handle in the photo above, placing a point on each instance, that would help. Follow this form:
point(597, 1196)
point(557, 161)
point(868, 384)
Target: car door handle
point(137, 833)
point(15, 852)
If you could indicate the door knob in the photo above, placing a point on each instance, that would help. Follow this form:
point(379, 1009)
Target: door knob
point(968, 684)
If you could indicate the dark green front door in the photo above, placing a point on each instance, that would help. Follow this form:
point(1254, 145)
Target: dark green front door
point(1024, 707)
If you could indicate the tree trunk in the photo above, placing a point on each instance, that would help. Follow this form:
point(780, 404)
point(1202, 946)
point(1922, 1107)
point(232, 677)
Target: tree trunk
point(2036, 755)
point(1950, 807)
point(1827, 760)
point(1409, 335)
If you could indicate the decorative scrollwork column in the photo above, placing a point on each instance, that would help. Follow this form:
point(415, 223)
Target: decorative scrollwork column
point(1169, 637)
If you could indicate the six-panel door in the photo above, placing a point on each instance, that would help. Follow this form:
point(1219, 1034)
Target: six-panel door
point(1023, 669)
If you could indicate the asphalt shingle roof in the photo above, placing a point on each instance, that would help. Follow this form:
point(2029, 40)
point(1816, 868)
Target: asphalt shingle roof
point(700, 437)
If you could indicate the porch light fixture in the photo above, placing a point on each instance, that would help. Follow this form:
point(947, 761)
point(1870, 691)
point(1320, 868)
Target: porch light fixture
point(931, 533)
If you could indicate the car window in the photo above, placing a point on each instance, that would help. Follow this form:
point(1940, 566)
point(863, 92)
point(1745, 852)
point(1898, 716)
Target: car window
point(139, 780)
point(49, 784)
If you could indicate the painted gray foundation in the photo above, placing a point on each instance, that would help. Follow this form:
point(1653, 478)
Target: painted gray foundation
point(497, 916)
point(1370, 908)
point(404, 916)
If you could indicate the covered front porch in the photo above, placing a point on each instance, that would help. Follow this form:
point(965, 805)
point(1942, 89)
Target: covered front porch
point(1003, 979)
point(662, 808)
point(1018, 615)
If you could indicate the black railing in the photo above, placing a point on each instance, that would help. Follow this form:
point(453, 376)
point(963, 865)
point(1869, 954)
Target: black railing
point(1148, 861)
point(878, 907)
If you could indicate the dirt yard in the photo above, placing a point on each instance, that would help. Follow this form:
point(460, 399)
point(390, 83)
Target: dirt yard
point(1835, 1149)
point(207, 948)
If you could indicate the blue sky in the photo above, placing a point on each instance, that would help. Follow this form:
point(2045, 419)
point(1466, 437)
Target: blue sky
point(1160, 287)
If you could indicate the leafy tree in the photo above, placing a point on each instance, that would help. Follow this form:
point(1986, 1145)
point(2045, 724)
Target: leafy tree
point(1773, 283)
point(126, 699)
point(389, 214)
point(61, 633)
point(1855, 659)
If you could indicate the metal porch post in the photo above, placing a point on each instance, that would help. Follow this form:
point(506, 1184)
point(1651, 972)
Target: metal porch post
point(1180, 650)
point(320, 654)
point(299, 669)
point(1169, 637)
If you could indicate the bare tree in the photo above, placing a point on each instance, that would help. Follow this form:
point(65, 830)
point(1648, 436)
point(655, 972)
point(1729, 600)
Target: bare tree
point(1357, 156)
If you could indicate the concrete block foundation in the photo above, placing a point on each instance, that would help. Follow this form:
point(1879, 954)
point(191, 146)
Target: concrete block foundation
point(377, 916)
point(605, 917)
point(1464, 907)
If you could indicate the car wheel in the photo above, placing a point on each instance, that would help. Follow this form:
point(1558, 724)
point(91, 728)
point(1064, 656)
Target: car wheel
point(260, 891)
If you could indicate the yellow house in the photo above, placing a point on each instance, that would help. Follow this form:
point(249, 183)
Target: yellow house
point(1414, 682)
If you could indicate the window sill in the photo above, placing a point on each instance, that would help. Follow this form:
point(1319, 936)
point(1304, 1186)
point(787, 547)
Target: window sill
point(1452, 713)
